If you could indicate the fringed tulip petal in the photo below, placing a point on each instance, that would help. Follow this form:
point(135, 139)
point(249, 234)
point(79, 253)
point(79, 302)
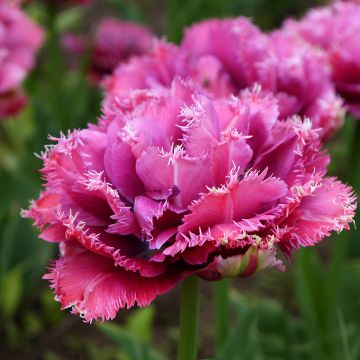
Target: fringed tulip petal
point(93, 288)
point(173, 182)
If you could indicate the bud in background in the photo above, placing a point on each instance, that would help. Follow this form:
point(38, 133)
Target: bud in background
point(20, 38)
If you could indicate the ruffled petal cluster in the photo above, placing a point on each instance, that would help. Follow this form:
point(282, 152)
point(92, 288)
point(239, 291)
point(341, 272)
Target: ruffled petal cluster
point(229, 55)
point(304, 83)
point(172, 183)
point(20, 38)
point(336, 29)
point(115, 42)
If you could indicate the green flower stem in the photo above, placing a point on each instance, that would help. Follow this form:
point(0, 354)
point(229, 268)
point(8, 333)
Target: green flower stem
point(221, 312)
point(189, 318)
point(342, 242)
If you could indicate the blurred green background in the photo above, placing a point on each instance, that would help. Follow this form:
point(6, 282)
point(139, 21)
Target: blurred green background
point(312, 311)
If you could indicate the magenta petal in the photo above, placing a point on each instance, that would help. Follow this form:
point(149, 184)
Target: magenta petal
point(173, 182)
point(93, 210)
point(211, 209)
point(20, 39)
point(255, 194)
point(355, 110)
point(199, 255)
point(11, 103)
point(44, 210)
point(279, 156)
point(144, 267)
point(93, 288)
point(237, 201)
point(123, 250)
point(53, 233)
point(329, 208)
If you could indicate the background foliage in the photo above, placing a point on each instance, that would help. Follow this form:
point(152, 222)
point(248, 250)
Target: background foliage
point(310, 312)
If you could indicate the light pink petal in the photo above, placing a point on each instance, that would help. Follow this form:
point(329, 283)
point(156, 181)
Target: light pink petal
point(155, 123)
point(253, 60)
point(146, 209)
point(254, 114)
point(262, 116)
point(191, 177)
point(201, 127)
point(232, 151)
point(161, 172)
point(208, 71)
point(327, 113)
point(93, 144)
point(156, 172)
point(120, 165)
point(154, 70)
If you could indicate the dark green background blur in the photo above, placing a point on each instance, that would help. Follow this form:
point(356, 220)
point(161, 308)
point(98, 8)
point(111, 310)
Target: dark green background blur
point(310, 312)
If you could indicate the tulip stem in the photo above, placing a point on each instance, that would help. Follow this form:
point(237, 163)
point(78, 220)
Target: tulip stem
point(221, 312)
point(189, 318)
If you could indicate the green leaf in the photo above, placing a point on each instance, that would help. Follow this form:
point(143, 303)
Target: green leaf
point(11, 287)
point(69, 18)
point(50, 307)
point(128, 10)
point(130, 343)
point(140, 323)
point(239, 341)
point(312, 288)
point(32, 324)
point(123, 339)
